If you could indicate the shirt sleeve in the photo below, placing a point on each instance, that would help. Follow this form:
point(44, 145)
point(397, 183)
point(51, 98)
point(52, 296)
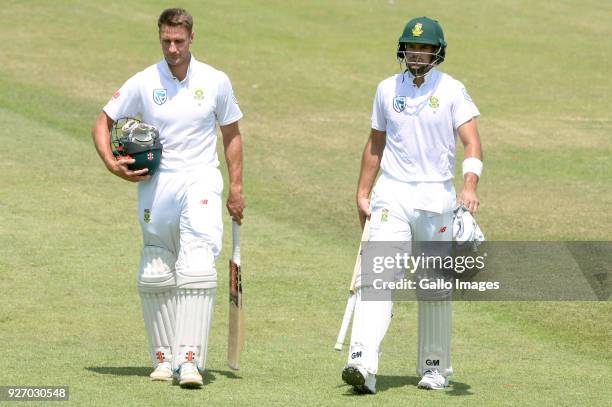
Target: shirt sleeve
point(227, 109)
point(464, 108)
point(379, 121)
point(126, 102)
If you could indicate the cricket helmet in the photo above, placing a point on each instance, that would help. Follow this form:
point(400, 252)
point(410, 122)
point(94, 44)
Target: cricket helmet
point(140, 141)
point(423, 30)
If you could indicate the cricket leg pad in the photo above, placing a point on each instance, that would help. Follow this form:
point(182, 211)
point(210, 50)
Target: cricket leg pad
point(156, 286)
point(195, 267)
point(193, 323)
point(435, 326)
point(370, 323)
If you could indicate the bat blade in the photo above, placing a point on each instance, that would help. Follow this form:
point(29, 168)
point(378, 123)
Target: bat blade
point(350, 304)
point(236, 334)
point(346, 320)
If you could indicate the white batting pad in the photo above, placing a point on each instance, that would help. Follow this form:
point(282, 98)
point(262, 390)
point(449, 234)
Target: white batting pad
point(370, 323)
point(435, 326)
point(156, 287)
point(159, 315)
point(156, 269)
point(193, 322)
point(195, 267)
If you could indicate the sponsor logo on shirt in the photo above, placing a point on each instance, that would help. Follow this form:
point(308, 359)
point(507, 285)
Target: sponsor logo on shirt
point(147, 215)
point(399, 103)
point(160, 96)
point(466, 95)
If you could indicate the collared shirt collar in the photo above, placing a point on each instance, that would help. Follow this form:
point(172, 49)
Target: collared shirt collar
point(428, 78)
point(168, 73)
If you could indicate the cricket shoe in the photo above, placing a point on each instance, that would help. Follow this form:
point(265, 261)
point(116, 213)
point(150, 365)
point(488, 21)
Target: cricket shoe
point(433, 380)
point(189, 376)
point(162, 372)
point(360, 379)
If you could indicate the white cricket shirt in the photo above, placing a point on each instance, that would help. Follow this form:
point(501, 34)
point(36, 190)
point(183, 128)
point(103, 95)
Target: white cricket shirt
point(421, 125)
point(185, 112)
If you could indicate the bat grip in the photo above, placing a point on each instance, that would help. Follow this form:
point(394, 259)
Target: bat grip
point(235, 242)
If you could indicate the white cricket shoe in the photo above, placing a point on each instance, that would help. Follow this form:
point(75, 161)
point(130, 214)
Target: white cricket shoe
point(433, 380)
point(189, 376)
point(162, 373)
point(360, 379)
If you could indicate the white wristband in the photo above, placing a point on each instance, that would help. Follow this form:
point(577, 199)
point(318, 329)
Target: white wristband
point(473, 165)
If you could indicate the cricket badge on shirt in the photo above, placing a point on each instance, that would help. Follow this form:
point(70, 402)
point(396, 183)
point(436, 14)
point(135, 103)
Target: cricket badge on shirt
point(434, 102)
point(147, 215)
point(160, 96)
point(384, 217)
point(399, 103)
point(198, 96)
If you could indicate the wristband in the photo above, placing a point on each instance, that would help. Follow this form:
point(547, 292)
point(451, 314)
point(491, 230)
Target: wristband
point(473, 165)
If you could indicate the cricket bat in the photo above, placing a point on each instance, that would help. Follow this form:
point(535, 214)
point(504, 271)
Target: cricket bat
point(350, 304)
point(235, 342)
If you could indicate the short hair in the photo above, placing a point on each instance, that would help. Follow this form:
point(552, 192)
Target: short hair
point(175, 17)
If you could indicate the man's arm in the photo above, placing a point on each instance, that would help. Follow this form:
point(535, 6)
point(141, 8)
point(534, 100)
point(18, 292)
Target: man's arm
point(370, 164)
point(468, 133)
point(101, 137)
point(232, 143)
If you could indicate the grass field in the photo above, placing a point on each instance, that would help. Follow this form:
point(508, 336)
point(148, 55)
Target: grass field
point(305, 74)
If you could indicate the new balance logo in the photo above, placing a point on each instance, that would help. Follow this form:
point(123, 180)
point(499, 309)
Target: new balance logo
point(430, 362)
point(355, 355)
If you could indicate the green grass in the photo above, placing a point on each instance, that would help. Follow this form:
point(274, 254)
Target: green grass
point(305, 74)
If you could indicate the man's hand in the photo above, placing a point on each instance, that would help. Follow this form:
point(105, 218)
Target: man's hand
point(119, 167)
point(363, 209)
point(236, 204)
point(468, 195)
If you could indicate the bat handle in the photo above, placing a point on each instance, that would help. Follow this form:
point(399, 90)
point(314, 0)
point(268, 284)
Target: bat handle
point(235, 242)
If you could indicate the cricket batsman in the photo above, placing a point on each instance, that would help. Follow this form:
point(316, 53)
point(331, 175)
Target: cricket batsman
point(417, 116)
point(179, 206)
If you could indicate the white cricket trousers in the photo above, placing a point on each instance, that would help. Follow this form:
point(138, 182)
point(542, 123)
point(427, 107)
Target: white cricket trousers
point(177, 208)
point(403, 212)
